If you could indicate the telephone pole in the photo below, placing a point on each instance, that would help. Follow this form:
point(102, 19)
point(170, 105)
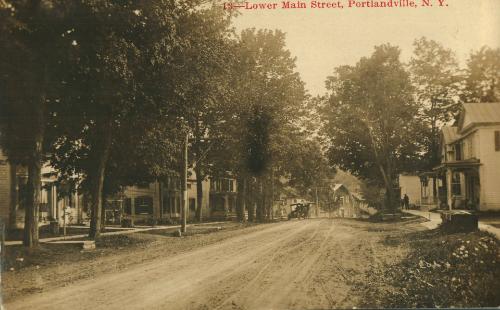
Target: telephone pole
point(184, 185)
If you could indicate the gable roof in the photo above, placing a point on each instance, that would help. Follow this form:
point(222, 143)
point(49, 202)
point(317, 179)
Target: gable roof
point(337, 186)
point(479, 113)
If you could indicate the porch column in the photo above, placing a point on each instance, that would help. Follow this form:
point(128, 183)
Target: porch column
point(226, 203)
point(132, 211)
point(449, 173)
point(78, 209)
point(54, 207)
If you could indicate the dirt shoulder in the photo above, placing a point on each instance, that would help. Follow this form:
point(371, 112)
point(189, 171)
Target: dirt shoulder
point(57, 265)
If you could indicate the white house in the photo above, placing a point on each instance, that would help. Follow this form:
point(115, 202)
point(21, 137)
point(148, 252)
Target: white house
point(469, 173)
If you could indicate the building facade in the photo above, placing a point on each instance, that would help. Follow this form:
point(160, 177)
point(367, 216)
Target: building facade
point(57, 203)
point(161, 201)
point(469, 174)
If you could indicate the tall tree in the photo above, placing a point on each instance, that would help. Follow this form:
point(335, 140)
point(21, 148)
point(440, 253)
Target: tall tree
point(483, 76)
point(119, 71)
point(31, 41)
point(207, 62)
point(268, 96)
point(369, 119)
point(438, 85)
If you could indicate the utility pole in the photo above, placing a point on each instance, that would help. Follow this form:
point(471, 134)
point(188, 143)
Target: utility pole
point(184, 185)
point(317, 202)
point(272, 193)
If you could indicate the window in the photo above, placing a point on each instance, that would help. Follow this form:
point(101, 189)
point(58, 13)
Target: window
point(127, 206)
point(192, 204)
point(455, 184)
point(497, 141)
point(458, 151)
point(144, 205)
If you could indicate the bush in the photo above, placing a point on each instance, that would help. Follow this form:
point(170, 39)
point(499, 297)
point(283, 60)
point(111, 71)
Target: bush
point(459, 270)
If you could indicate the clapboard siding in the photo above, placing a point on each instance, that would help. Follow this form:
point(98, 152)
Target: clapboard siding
point(490, 169)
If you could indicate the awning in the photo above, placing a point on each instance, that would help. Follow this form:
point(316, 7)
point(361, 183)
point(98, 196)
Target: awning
point(459, 164)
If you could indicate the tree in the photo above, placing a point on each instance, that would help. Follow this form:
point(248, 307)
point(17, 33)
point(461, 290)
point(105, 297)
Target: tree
point(483, 76)
point(31, 41)
point(207, 61)
point(369, 119)
point(120, 72)
point(268, 96)
point(438, 85)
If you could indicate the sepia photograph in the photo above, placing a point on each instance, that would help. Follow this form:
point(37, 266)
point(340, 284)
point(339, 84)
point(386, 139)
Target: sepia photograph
point(249, 155)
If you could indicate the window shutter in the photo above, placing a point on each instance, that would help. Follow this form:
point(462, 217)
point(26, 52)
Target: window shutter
point(497, 140)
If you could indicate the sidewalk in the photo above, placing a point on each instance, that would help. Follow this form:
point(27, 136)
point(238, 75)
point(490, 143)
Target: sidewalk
point(111, 233)
point(435, 219)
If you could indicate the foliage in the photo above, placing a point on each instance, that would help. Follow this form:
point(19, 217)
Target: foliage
point(442, 271)
point(483, 76)
point(119, 91)
point(30, 67)
point(369, 119)
point(438, 85)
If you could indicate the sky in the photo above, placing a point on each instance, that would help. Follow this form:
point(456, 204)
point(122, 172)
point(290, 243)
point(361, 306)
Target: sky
point(322, 39)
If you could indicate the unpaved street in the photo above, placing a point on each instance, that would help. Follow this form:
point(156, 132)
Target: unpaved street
point(306, 264)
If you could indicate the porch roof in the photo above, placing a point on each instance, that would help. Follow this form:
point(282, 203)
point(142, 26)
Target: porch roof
point(427, 174)
point(462, 164)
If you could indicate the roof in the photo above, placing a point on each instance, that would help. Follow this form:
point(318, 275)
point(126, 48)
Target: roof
point(358, 196)
point(483, 112)
point(450, 134)
point(460, 164)
point(480, 113)
point(337, 186)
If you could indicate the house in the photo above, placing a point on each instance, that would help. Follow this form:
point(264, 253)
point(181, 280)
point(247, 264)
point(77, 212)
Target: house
point(56, 202)
point(7, 187)
point(149, 203)
point(162, 201)
point(222, 198)
point(468, 176)
point(346, 204)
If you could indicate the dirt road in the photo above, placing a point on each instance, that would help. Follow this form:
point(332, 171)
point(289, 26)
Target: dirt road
point(307, 264)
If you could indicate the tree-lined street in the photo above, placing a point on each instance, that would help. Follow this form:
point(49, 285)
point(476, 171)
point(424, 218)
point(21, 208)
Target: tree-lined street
point(122, 121)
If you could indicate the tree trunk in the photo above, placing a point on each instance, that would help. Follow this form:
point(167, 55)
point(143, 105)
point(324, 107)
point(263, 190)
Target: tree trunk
point(98, 182)
point(390, 204)
point(251, 202)
point(241, 199)
point(103, 214)
point(260, 200)
point(199, 193)
point(34, 185)
point(272, 195)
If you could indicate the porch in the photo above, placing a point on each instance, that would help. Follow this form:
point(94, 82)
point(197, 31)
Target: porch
point(453, 185)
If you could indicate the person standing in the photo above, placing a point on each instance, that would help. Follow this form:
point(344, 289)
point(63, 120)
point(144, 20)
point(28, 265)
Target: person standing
point(406, 200)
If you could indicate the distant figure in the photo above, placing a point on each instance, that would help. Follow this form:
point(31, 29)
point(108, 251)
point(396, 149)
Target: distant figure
point(406, 202)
